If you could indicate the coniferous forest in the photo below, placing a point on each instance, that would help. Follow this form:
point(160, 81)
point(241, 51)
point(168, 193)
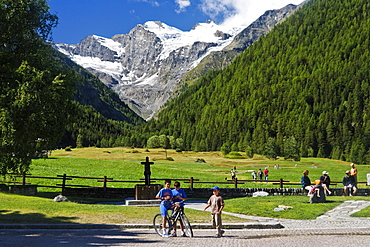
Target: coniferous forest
point(304, 86)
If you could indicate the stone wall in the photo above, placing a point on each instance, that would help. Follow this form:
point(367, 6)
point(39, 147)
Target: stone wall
point(200, 193)
point(108, 193)
point(23, 189)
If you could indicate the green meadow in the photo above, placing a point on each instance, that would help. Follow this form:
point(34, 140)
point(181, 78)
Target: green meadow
point(125, 164)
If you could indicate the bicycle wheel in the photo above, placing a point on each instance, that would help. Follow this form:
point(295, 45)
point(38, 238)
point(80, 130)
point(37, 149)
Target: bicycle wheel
point(187, 227)
point(157, 225)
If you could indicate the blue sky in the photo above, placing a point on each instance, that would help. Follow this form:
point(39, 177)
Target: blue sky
point(80, 18)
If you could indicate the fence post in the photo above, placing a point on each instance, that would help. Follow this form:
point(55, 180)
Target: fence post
point(235, 183)
point(105, 182)
point(23, 178)
point(191, 182)
point(281, 183)
point(64, 183)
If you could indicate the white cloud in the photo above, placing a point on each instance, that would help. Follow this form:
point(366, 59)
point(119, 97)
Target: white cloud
point(245, 12)
point(182, 4)
point(152, 2)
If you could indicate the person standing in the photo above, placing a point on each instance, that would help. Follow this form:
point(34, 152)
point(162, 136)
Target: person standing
point(165, 194)
point(232, 172)
point(266, 173)
point(254, 176)
point(260, 173)
point(217, 205)
point(179, 198)
point(354, 172)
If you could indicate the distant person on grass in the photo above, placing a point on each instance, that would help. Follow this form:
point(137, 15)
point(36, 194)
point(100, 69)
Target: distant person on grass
point(266, 172)
point(165, 194)
point(260, 173)
point(179, 197)
point(217, 205)
point(233, 174)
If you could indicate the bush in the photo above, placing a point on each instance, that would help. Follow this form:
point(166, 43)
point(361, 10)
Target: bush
point(170, 159)
point(234, 155)
point(68, 148)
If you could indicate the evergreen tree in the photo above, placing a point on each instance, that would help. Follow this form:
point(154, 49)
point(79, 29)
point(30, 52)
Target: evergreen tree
point(271, 150)
point(291, 149)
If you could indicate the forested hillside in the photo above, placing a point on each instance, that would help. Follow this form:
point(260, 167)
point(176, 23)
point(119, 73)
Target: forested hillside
point(100, 118)
point(307, 81)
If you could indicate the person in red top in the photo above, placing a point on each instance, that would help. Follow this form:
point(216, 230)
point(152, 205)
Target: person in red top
point(266, 173)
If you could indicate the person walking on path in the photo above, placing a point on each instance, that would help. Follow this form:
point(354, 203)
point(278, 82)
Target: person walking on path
point(217, 205)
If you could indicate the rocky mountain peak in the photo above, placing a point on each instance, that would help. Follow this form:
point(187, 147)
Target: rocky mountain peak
point(146, 65)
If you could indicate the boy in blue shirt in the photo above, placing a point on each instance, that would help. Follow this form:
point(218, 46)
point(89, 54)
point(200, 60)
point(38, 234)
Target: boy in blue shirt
point(179, 197)
point(165, 194)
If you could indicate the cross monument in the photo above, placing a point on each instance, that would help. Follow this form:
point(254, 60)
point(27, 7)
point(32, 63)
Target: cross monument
point(147, 171)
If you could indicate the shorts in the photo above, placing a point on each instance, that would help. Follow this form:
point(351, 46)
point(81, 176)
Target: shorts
point(164, 210)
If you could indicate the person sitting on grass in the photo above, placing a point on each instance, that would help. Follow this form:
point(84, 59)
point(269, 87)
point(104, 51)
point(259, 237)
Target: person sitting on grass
point(165, 194)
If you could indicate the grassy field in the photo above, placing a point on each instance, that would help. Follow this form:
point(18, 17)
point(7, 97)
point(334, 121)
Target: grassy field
point(30, 209)
point(125, 164)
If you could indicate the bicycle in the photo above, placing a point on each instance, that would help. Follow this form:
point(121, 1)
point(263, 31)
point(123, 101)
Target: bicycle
point(172, 221)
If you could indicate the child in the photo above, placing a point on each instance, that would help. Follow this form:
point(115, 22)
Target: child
point(179, 197)
point(165, 194)
point(217, 205)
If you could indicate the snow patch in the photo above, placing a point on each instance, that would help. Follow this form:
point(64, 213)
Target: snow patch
point(110, 44)
point(111, 68)
point(173, 38)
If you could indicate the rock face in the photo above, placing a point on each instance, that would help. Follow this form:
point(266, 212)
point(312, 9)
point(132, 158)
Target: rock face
point(146, 65)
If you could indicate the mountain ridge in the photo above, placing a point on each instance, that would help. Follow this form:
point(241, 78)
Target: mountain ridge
point(146, 65)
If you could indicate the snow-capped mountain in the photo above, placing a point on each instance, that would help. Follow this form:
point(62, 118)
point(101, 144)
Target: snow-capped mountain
point(145, 65)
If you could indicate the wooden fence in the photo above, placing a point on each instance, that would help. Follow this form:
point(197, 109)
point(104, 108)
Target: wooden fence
point(105, 180)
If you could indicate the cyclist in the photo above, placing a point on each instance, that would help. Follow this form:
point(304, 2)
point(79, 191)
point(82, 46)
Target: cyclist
point(165, 194)
point(179, 197)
